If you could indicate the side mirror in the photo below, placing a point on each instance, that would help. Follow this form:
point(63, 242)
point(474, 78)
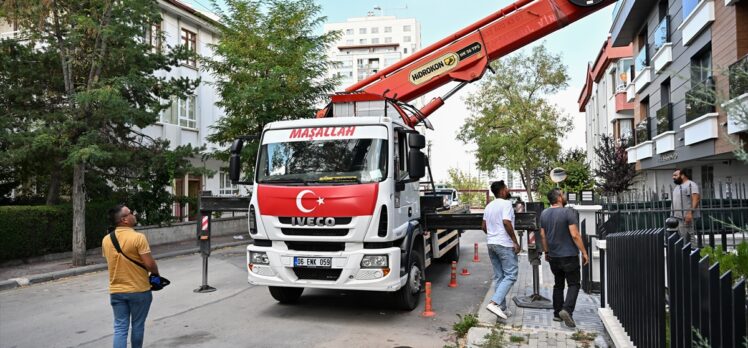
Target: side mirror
point(416, 164)
point(416, 141)
point(235, 162)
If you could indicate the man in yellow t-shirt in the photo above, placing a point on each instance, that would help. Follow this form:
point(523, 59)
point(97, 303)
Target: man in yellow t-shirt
point(129, 289)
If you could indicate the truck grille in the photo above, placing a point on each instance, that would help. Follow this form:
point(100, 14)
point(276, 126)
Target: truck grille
point(315, 246)
point(317, 232)
point(286, 220)
point(317, 273)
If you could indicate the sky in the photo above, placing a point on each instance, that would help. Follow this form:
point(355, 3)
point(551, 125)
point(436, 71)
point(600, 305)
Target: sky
point(578, 43)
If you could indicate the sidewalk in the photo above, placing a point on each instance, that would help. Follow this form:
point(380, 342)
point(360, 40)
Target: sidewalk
point(17, 273)
point(536, 326)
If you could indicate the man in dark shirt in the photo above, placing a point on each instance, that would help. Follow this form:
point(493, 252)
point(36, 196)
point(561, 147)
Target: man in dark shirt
point(562, 245)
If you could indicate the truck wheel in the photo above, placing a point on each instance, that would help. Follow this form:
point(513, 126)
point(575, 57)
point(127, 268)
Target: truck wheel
point(453, 254)
point(285, 295)
point(408, 296)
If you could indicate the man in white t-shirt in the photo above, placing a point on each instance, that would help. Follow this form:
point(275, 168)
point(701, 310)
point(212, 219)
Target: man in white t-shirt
point(498, 223)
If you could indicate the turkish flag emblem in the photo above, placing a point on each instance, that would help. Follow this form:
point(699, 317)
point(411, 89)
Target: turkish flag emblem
point(318, 201)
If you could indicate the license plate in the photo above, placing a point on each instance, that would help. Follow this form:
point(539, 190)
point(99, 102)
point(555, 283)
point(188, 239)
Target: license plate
point(313, 262)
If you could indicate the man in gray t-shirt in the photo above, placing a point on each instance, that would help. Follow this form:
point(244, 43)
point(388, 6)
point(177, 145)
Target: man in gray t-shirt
point(562, 244)
point(685, 207)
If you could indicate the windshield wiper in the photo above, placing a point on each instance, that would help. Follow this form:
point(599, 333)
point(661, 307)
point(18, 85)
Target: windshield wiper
point(284, 181)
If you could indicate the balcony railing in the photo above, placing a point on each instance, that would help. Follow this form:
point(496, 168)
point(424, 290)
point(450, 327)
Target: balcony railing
point(739, 78)
point(661, 34)
point(700, 99)
point(642, 60)
point(643, 131)
point(665, 118)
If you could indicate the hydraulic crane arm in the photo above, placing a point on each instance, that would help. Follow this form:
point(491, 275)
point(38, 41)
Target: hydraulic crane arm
point(464, 56)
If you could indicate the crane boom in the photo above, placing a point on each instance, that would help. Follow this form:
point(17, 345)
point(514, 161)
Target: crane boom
point(464, 56)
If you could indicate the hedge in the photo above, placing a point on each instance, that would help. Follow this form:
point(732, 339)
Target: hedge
point(29, 231)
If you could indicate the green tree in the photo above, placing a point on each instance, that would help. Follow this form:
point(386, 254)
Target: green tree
point(79, 83)
point(464, 181)
point(512, 123)
point(578, 176)
point(270, 65)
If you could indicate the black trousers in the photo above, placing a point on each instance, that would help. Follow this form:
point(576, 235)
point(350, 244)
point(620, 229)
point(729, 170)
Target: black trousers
point(565, 269)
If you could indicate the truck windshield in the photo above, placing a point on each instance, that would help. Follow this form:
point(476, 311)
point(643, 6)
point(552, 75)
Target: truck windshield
point(339, 161)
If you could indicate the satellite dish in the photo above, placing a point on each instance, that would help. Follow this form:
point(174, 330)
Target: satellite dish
point(558, 175)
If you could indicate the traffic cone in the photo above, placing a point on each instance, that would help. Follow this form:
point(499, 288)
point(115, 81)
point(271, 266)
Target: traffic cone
point(475, 257)
point(465, 272)
point(453, 278)
point(428, 312)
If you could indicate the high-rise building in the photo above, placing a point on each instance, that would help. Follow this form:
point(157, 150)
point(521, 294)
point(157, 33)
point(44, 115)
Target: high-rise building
point(368, 44)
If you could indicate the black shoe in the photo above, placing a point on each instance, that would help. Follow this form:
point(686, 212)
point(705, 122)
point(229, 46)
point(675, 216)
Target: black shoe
point(555, 318)
point(566, 317)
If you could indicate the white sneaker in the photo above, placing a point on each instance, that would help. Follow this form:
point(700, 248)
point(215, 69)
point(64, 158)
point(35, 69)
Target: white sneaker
point(493, 308)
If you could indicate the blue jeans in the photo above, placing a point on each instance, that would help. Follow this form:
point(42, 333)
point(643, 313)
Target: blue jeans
point(131, 306)
point(505, 267)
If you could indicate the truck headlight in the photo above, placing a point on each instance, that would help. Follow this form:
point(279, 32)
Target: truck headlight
point(374, 261)
point(258, 258)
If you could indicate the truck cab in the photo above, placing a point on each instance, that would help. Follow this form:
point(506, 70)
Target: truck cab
point(335, 204)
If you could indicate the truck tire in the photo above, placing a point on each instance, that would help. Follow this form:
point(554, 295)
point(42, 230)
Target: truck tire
point(453, 254)
point(408, 296)
point(285, 295)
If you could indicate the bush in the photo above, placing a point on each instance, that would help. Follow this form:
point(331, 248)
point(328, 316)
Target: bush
point(464, 324)
point(29, 231)
point(736, 261)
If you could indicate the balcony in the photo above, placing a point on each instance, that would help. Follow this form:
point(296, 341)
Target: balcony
point(621, 103)
point(630, 92)
point(643, 74)
point(697, 19)
point(662, 46)
point(703, 128)
point(644, 150)
point(631, 154)
point(737, 106)
point(665, 118)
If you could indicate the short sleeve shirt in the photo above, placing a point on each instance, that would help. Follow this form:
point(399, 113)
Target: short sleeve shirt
point(556, 222)
point(496, 212)
point(124, 275)
point(682, 199)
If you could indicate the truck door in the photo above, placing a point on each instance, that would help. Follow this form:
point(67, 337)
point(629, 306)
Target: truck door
point(406, 195)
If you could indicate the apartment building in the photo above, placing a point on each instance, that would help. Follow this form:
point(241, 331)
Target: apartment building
point(683, 50)
point(369, 44)
point(603, 98)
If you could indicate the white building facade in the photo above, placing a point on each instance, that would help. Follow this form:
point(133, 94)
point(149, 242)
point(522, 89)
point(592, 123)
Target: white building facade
point(369, 44)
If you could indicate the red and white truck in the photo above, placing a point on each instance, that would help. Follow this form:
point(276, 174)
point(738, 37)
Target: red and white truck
point(335, 201)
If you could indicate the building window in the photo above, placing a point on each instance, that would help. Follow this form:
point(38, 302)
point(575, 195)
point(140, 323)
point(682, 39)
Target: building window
point(707, 181)
point(362, 41)
point(375, 40)
point(388, 40)
point(226, 188)
point(688, 7)
point(613, 81)
point(153, 37)
point(349, 41)
point(387, 29)
point(362, 30)
point(349, 31)
point(406, 28)
point(374, 30)
point(662, 9)
point(181, 112)
point(405, 50)
point(189, 41)
point(701, 66)
point(406, 38)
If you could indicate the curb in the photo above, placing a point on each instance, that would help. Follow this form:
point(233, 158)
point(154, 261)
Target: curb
point(45, 277)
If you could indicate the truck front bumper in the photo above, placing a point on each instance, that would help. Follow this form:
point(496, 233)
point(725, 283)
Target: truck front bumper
point(345, 271)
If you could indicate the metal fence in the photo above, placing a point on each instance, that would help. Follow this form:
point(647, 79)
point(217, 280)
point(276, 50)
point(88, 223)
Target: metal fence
point(636, 284)
point(702, 300)
point(723, 213)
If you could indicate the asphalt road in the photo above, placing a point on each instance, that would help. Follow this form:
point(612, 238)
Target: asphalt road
point(75, 312)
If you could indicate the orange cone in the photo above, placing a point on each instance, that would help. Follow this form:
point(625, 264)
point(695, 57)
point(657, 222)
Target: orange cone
point(428, 312)
point(453, 280)
point(475, 257)
point(465, 272)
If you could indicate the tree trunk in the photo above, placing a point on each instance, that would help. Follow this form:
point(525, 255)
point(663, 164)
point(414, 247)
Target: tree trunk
point(53, 194)
point(525, 175)
point(79, 214)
